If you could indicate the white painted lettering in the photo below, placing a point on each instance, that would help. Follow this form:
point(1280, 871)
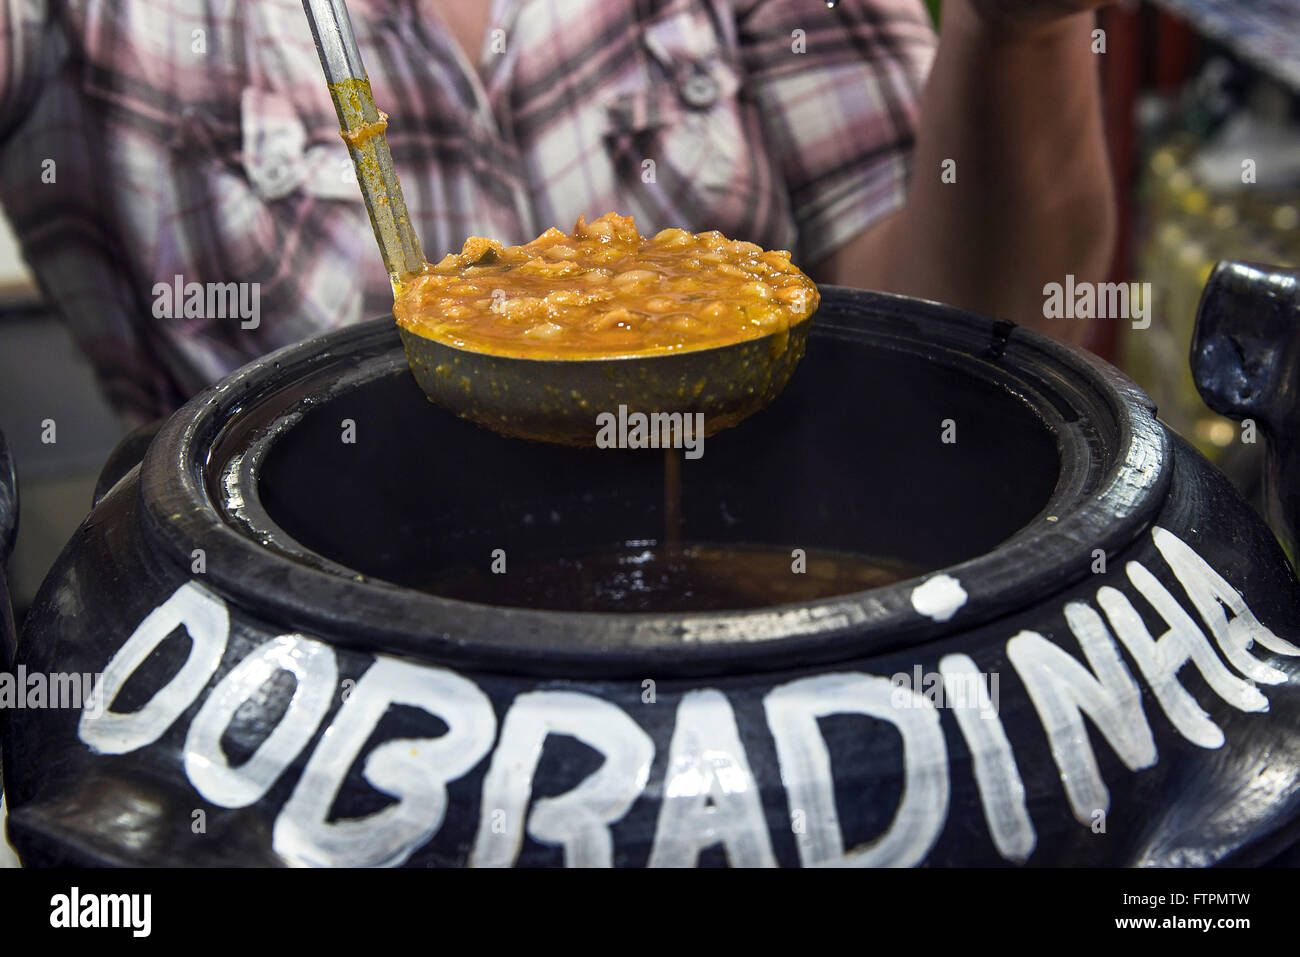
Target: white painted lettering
point(792, 713)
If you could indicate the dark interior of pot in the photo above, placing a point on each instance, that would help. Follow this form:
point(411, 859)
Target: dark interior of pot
point(844, 483)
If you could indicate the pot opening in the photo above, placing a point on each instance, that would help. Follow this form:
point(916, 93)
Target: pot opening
point(876, 464)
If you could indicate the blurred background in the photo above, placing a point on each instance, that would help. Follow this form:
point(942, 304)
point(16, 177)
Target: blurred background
point(1192, 87)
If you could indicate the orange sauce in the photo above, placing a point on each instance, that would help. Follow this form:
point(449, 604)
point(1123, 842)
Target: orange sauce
point(605, 291)
point(356, 138)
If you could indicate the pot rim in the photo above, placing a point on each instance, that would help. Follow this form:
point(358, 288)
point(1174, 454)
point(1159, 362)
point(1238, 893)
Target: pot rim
point(1106, 508)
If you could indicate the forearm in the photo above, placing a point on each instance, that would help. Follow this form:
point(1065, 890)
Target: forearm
point(1032, 198)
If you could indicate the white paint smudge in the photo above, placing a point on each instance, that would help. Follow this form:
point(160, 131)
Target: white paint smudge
point(939, 597)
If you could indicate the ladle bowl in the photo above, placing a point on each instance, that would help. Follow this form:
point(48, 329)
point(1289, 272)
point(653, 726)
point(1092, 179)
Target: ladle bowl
point(561, 400)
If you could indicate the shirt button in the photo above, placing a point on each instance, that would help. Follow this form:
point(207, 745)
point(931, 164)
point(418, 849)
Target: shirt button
point(699, 90)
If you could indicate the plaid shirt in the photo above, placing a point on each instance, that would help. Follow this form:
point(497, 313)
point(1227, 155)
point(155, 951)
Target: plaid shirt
point(142, 140)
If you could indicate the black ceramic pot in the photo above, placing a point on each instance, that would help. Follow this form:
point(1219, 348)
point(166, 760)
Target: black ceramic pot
point(8, 534)
point(1091, 660)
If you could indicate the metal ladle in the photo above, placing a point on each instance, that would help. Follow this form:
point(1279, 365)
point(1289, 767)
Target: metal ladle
point(549, 400)
point(362, 126)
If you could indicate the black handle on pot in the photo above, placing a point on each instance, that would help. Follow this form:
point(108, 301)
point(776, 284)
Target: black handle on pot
point(125, 456)
point(1246, 364)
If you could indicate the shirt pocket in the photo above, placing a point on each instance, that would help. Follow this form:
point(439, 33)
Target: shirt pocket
point(291, 166)
point(254, 200)
point(277, 158)
point(686, 115)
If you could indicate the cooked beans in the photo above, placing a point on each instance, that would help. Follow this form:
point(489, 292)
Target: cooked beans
point(605, 291)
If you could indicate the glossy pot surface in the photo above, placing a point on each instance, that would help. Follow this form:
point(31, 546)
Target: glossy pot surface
point(1090, 660)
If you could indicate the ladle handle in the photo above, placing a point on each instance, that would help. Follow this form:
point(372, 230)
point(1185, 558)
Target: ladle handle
point(362, 127)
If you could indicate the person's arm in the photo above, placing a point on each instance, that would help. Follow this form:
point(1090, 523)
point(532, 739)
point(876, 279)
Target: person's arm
point(1017, 106)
